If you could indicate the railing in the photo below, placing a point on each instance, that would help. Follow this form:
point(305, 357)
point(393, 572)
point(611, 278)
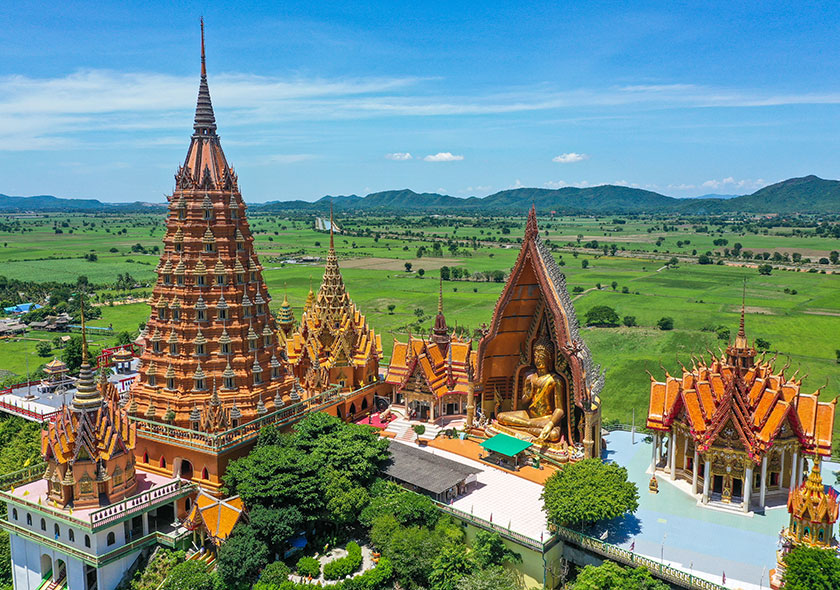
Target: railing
point(139, 503)
point(217, 442)
point(493, 527)
point(23, 476)
point(626, 557)
point(613, 552)
point(98, 518)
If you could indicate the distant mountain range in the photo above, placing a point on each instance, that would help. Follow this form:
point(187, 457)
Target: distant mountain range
point(808, 194)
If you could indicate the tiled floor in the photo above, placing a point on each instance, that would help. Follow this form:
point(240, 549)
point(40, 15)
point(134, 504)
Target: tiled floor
point(696, 538)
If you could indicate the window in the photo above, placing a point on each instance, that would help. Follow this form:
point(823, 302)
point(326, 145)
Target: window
point(199, 349)
point(208, 214)
point(229, 383)
point(223, 314)
point(71, 535)
point(111, 539)
point(225, 348)
point(176, 315)
point(240, 278)
point(199, 315)
point(260, 310)
point(156, 346)
point(87, 540)
point(152, 380)
point(173, 348)
point(266, 341)
point(167, 279)
point(170, 384)
point(145, 457)
point(234, 214)
point(205, 474)
point(28, 519)
point(179, 279)
point(199, 384)
point(14, 513)
point(179, 247)
point(257, 378)
point(208, 248)
point(43, 524)
point(275, 372)
point(253, 276)
point(57, 531)
point(246, 311)
point(162, 462)
point(182, 214)
point(821, 536)
point(220, 279)
point(162, 313)
point(240, 246)
point(199, 280)
point(252, 344)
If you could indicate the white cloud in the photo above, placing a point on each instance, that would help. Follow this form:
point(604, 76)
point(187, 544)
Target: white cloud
point(730, 183)
point(570, 158)
point(443, 157)
point(399, 156)
point(680, 187)
point(563, 184)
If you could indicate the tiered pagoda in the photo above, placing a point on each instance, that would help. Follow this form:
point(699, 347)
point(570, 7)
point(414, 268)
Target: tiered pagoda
point(333, 345)
point(432, 377)
point(211, 360)
point(737, 429)
point(535, 377)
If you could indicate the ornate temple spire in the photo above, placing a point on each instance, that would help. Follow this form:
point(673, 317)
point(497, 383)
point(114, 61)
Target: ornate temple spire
point(741, 338)
point(440, 333)
point(332, 297)
point(531, 229)
point(87, 395)
point(205, 120)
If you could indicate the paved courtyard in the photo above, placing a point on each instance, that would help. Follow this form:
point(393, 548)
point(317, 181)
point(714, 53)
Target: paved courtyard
point(706, 541)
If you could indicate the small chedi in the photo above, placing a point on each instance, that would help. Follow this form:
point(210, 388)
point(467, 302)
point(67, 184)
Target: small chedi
point(89, 446)
point(333, 343)
point(534, 373)
point(813, 508)
point(735, 428)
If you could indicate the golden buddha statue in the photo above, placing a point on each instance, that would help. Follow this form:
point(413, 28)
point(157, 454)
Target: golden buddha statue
point(543, 395)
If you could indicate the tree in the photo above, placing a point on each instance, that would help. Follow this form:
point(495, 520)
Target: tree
point(761, 344)
point(765, 269)
point(72, 354)
point(629, 321)
point(837, 354)
point(241, 559)
point(704, 259)
point(808, 568)
point(189, 575)
point(722, 333)
point(601, 315)
point(450, 565)
point(124, 338)
point(613, 576)
point(308, 567)
point(407, 508)
point(614, 285)
point(665, 323)
point(418, 429)
point(5, 561)
point(489, 549)
point(391, 308)
point(494, 578)
point(834, 256)
point(407, 267)
point(275, 573)
point(584, 263)
point(421, 271)
point(43, 348)
point(444, 273)
point(588, 491)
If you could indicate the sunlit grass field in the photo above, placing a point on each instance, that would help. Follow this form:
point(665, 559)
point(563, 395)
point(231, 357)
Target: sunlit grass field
point(804, 326)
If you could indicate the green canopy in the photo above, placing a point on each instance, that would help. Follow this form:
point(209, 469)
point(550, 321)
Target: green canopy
point(503, 444)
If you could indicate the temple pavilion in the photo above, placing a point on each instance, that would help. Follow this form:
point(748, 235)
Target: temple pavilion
point(736, 429)
point(333, 344)
point(432, 377)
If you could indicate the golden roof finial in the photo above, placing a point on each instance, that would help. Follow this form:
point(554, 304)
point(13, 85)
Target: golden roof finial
point(741, 339)
point(203, 63)
point(331, 227)
point(440, 296)
point(84, 333)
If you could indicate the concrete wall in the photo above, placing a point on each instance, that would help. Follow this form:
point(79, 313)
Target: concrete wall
point(531, 568)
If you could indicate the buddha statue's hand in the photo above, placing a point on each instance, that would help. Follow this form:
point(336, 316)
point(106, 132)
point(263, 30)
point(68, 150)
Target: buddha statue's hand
point(546, 432)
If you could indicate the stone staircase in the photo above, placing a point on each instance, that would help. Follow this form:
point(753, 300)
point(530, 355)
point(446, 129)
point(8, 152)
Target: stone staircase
point(402, 430)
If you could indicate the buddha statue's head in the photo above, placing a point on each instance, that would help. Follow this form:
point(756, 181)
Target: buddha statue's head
point(543, 353)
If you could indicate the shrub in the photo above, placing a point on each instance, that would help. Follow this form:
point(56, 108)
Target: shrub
point(190, 575)
point(341, 568)
point(308, 567)
point(275, 573)
point(665, 323)
point(629, 321)
point(601, 315)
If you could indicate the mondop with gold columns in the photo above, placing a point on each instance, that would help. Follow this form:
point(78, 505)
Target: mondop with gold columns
point(211, 359)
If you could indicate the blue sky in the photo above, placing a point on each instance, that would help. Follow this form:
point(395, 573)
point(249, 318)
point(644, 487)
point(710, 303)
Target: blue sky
point(315, 98)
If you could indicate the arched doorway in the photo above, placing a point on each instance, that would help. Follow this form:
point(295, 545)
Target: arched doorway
point(46, 566)
point(186, 471)
point(364, 404)
point(60, 570)
point(352, 410)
